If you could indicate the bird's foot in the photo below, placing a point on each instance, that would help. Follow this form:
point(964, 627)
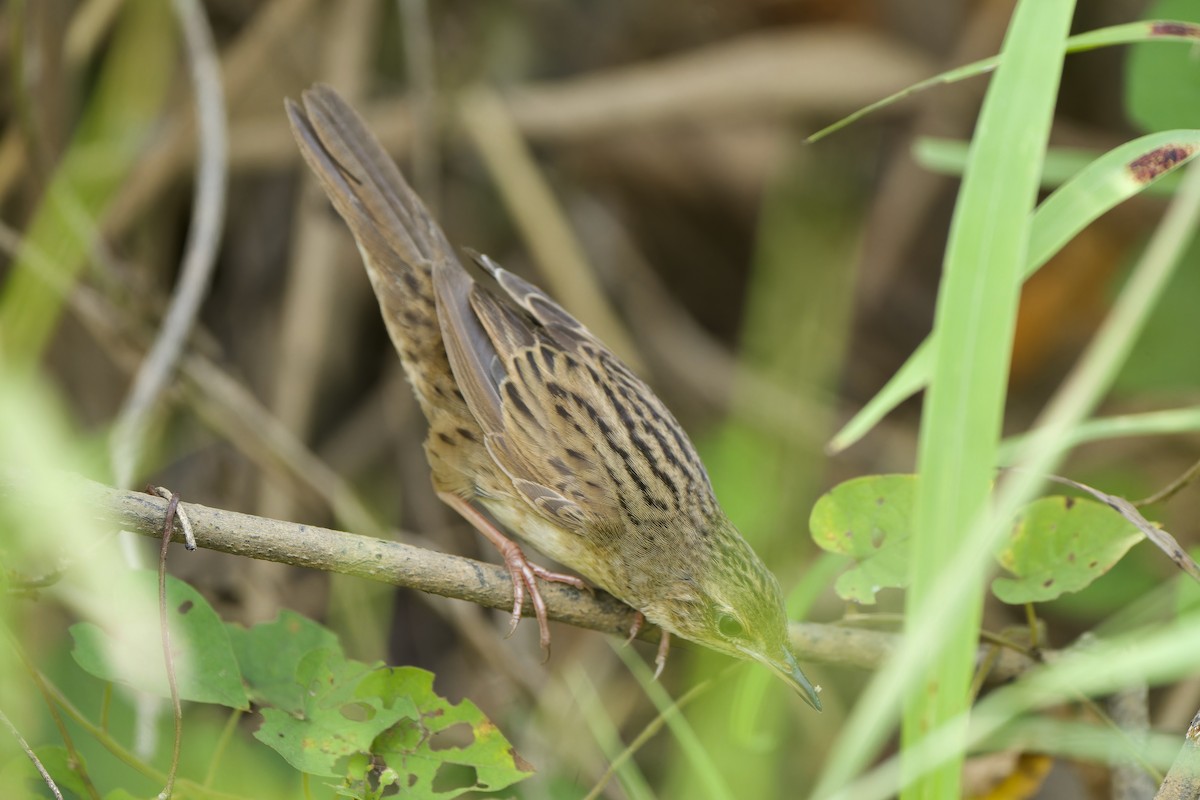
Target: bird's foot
point(524, 577)
point(660, 660)
point(561, 577)
point(639, 621)
point(523, 573)
point(664, 642)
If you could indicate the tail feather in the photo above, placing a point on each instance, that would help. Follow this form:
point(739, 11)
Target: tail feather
point(399, 240)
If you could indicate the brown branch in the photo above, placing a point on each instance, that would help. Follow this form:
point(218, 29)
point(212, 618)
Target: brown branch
point(447, 575)
point(1183, 781)
point(348, 554)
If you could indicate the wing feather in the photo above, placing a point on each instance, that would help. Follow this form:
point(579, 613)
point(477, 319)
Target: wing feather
point(469, 348)
point(583, 440)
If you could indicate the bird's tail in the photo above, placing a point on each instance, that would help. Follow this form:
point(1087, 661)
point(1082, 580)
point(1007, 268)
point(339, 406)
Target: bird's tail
point(398, 239)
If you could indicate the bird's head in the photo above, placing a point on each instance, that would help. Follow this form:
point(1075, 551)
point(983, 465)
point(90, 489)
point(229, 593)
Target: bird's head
point(725, 598)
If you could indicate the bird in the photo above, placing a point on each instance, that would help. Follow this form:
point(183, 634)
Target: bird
point(538, 429)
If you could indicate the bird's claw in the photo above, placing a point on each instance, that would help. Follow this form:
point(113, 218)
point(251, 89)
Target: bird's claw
point(660, 660)
point(524, 577)
point(664, 642)
point(639, 619)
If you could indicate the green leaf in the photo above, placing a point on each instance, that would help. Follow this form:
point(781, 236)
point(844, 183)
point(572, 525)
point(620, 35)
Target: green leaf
point(868, 519)
point(340, 716)
point(446, 743)
point(20, 778)
point(58, 763)
point(1061, 544)
point(205, 668)
point(270, 653)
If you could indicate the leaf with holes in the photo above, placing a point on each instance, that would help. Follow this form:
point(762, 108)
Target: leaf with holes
point(447, 749)
point(341, 715)
point(1059, 545)
point(128, 648)
point(868, 519)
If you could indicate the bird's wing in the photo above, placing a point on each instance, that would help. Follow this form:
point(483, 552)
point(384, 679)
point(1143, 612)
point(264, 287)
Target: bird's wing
point(582, 438)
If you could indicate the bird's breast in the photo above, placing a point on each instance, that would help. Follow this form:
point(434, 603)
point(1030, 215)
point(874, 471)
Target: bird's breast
point(574, 549)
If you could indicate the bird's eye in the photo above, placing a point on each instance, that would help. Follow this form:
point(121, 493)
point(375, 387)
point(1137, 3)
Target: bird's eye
point(729, 627)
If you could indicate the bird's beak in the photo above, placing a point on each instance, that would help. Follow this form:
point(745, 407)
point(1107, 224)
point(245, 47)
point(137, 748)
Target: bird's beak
point(789, 671)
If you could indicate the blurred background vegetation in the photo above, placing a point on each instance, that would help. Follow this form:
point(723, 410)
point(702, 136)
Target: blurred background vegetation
point(765, 287)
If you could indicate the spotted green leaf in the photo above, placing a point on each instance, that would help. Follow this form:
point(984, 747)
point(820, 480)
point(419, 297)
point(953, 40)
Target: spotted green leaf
point(374, 725)
point(868, 519)
point(450, 748)
point(341, 715)
point(1059, 545)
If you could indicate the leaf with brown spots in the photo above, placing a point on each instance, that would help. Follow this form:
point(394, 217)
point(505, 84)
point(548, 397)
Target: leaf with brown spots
point(1060, 545)
point(868, 519)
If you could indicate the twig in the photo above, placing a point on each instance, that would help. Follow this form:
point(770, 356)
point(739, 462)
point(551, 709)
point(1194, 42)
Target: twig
point(189, 538)
point(1175, 486)
point(346, 553)
point(400, 564)
point(32, 756)
point(1161, 539)
point(231, 410)
point(165, 631)
point(1183, 779)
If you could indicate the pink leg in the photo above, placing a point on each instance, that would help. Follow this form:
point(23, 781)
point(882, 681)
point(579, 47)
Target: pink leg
point(524, 574)
point(660, 660)
point(639, 620)
point(664, 642)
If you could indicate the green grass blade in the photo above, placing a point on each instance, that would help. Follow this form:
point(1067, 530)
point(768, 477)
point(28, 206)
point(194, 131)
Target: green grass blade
point(1129, 33)
point(1158, 655)
point(710, 778)
point(604, 731)
point(990, 242)
point(960, 428)
point(949, 157)
point(112, 134)
point(1105, 183)
point(1170, 422)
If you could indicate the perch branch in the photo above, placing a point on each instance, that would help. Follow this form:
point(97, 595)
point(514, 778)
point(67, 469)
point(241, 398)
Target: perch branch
point(447, 575)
